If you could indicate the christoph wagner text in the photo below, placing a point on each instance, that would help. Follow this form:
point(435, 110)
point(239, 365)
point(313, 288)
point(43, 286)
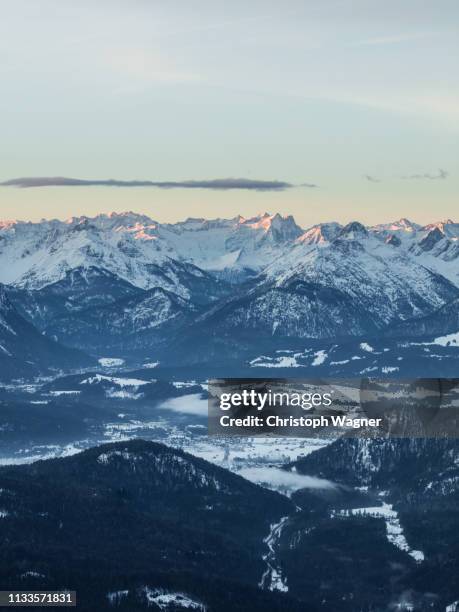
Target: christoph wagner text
point(314, 422)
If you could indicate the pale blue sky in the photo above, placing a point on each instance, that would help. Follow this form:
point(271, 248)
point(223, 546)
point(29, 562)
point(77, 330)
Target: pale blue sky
point(322, 92)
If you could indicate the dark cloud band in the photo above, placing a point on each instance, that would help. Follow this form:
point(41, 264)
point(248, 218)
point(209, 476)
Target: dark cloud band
point(438, 176)
point(217, 184)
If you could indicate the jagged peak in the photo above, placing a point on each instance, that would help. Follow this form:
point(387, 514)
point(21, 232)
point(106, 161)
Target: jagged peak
point(446, 228)
point(440, 224)
point(126, 213)
point(195, 220)
point(111, 219)
point(8, 224)
point(320, 233)
point(258, 218)
point(353, 231)
point(405, 224)
point(266, 220)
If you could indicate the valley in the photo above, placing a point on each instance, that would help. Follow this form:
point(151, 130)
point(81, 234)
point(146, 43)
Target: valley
point(341, 508)
point(111, 328)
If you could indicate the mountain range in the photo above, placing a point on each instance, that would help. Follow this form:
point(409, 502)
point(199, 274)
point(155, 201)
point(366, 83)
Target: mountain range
point(24, 351)
point(205, 291)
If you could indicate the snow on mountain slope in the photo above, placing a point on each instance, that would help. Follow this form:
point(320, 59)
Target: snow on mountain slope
point(149, 254)
point(447, 227)
point(24, 351)
point(435, 246)
point(79, 290)
point(401, 226)
point(328, 281)
point(444, 320)
point(37, 255)
point(359, 265)
point(320, 234)
point(351, 285)
point(138, 249)
point(239, 243)
point(133, 323)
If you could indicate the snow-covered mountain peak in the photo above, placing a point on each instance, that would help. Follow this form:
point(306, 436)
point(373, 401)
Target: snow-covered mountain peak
point(7, 224)
point(197, 224)
point(262, 221)
point(258, 217)
point(190, 223)
point(285, 225)
point(112, 221)
point(126, 225)
point(281, 227)
point(76, 220)
point(353, 231)
point(365, 282)
point(135, 247)
point(402, 226)
point(142, 232)
point(405, 223)
point(36, 254)
point(321, 233)
point(448, 228)
point(326, 282)
point(236, 246)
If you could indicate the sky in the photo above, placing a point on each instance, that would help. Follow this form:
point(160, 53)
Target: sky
point(328, 109)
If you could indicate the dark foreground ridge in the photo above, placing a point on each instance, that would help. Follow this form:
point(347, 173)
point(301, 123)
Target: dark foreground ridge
point(133, 524)
point(140, 517)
